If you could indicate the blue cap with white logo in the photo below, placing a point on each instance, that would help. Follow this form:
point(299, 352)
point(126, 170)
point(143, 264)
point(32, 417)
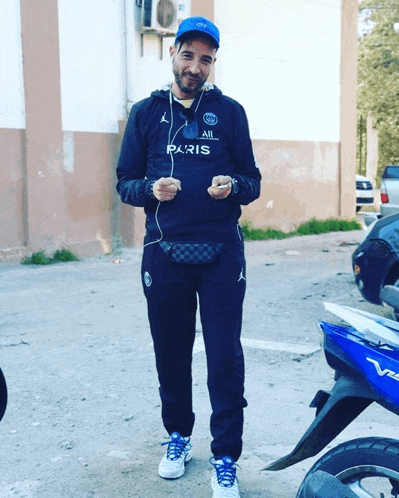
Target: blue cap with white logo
point(200, 26)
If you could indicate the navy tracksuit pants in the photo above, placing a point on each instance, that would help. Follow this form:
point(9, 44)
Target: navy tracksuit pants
point(172, 291)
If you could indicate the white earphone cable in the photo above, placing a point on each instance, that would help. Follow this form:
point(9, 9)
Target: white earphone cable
point(170, 142)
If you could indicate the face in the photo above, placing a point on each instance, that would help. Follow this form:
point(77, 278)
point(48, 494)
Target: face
point(191, 64)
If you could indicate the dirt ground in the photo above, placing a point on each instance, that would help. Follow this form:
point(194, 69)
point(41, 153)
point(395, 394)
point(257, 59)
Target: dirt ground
point(83, 419)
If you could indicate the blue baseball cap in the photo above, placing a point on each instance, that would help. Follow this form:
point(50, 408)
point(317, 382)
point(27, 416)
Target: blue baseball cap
point(198, 26)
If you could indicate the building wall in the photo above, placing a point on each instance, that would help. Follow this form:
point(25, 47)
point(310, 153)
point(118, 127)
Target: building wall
point(92, 53)
point(299, 182)
point(297, 82)
point(284, 68)
point(12, 134)
point(12, 99)
point(66, 100)
point(348, 108)
point(13, 234)
point(89, 193)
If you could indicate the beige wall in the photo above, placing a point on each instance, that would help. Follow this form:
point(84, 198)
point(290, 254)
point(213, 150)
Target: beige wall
point(45, 193)
point(203, 8)
point(13, 234)
point(348, 108)
point(90, 193)
point(46, 206)
point(87, 195)
point(302, 180)
point(299, 182)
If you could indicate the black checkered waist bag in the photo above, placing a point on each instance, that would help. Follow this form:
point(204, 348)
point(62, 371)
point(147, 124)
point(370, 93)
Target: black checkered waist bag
point(192, 252)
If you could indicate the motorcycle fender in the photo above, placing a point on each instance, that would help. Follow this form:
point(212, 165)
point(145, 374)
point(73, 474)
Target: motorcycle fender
point(335, 411)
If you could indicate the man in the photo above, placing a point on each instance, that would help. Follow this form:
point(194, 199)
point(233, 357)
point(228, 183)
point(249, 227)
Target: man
point(186, 157)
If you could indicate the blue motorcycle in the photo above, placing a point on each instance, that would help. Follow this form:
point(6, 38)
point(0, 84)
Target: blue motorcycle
point(365, 357)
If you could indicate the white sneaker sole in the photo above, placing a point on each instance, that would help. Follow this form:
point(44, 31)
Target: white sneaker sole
point(183, 468)
point(215, 487)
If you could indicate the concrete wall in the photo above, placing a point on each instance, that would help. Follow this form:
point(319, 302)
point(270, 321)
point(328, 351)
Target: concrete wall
point(281, 60)
point(13, 227)
point(297, 81)
point(74, 69)
point(13, 208)
point(299, 182)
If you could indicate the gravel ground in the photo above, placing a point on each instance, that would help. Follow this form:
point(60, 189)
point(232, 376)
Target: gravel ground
point(83, 418)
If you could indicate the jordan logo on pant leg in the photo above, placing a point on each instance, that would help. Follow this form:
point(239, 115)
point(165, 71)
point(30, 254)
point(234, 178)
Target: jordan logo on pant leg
point(147, 279)
point(241, 275)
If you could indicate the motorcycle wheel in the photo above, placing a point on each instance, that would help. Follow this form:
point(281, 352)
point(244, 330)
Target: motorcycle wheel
point(369, 466)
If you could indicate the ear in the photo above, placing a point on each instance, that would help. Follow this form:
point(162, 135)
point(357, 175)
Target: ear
point(172, 50)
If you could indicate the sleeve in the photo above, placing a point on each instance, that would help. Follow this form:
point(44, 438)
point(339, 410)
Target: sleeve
point(247, 175)
point(133, 186)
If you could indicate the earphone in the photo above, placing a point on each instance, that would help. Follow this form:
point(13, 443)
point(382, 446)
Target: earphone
point(170, 142)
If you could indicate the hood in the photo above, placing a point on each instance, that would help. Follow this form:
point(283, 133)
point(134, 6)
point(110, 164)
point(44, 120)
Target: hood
point(360, 178)
point(211, 92)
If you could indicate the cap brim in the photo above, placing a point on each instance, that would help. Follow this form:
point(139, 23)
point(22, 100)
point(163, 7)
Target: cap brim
point(193, 33)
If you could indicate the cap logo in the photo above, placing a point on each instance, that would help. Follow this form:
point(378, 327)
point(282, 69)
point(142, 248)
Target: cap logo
point(210, 118)
point(200, 25)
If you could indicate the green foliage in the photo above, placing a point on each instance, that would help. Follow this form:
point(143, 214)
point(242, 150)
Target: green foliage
point(315, 227)
point(378, 77)
point(311, 227)
point(64, 256)
point(251, 233)
point(37, 258)
point(40, 258)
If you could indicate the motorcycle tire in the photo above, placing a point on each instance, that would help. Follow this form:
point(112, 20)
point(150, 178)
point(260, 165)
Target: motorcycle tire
point(369, 466)
point(3, 394)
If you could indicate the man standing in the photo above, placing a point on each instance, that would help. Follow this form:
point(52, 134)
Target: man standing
point(187, 158)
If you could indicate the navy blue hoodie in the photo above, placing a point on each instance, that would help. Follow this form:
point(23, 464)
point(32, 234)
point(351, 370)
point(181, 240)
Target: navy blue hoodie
point(153, 146)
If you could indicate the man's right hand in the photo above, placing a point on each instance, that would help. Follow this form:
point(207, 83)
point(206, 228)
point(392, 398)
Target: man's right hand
point(165, 189)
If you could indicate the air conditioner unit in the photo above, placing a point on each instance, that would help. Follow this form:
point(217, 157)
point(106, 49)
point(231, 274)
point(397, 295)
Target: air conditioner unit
point(160, 16)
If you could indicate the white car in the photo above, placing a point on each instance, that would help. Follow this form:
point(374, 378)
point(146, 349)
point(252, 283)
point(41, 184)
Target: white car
point(390, 190)
point(364, 192)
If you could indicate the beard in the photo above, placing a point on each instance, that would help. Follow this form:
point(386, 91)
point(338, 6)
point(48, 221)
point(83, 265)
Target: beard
point(192, 83)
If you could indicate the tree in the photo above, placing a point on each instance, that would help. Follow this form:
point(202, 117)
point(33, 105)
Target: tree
point(378, 75)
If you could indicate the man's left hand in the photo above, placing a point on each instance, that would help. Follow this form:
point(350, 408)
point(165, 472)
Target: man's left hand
point(221, 187)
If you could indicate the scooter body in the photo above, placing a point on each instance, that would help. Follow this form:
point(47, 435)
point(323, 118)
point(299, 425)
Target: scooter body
point(365, 357)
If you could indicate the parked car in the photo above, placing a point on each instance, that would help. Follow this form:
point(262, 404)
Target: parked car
point(375, 262)
point(390, 190)
point(364, 192)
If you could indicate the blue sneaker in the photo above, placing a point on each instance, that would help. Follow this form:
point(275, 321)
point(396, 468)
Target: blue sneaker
point(179, 452)
point(224, 479)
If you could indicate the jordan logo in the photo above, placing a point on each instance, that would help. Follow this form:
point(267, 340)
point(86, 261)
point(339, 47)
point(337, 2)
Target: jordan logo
point(241, 275)
point(163, 119)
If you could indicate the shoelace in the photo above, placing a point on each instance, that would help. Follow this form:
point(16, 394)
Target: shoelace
point(176, 446)
point(225, 472)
